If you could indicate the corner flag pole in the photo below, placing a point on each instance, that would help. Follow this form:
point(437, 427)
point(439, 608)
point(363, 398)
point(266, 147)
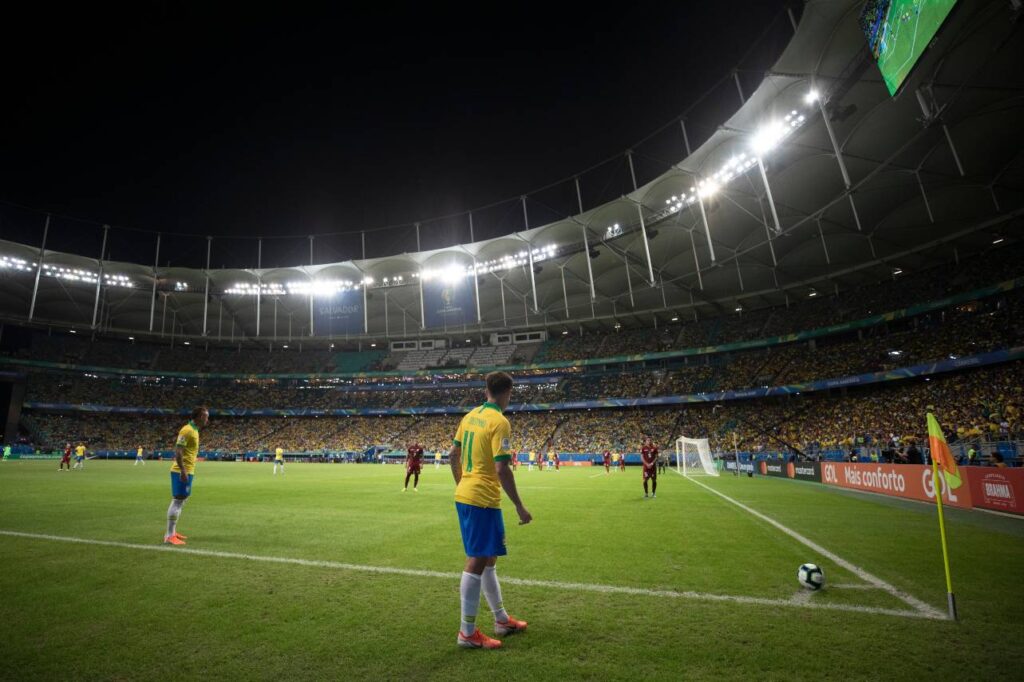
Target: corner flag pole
point(940, 450)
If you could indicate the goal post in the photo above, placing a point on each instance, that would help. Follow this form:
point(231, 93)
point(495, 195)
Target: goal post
point(693, 457)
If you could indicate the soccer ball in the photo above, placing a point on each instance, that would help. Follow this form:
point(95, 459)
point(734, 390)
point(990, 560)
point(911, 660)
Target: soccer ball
point(811, 576)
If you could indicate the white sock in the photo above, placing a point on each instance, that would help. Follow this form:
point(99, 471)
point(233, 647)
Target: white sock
point(492, 592)
point(469, 590)
point(173, 513)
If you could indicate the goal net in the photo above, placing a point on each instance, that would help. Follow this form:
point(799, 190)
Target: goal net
point(693, 457)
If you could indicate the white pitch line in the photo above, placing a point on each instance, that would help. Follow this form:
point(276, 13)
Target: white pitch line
point(853, 586)
point(801, 598)
point(419, 573)
point(925, 609)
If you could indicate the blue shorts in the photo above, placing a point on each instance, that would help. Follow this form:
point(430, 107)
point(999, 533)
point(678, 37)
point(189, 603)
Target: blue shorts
point(483, 530)
point(179, 489)
point(79, 458)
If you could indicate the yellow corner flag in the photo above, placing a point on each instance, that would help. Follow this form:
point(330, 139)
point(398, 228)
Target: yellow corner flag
point(943, 458)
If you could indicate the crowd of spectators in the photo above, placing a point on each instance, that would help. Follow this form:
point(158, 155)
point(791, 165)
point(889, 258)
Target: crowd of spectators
point(979, 404)
point(968, 329)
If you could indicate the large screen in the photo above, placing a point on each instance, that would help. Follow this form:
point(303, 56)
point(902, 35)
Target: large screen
point(898, 31)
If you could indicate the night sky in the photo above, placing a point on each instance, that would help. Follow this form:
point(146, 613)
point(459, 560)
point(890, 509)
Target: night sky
point(249, 121)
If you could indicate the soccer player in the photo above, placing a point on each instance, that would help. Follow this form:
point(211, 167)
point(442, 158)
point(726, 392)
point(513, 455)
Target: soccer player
point(413, 466)
point(649, 457)
point(66, 459)
point(186, 449)
point(79, 456)
point(138, 457)
point(515, 461)
point(607, 462)
point(479, 459)
point(554, 458)
point(279, 460)
point(437, 459)
point(622, 462)
point(540, 461)
point(7, 452)
point(533, 458)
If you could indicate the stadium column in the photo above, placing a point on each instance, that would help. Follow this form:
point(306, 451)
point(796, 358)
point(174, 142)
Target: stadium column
point(565, 295)
point(206, 297)
point(471, 237)
point(152, 300)
point(529, 252)
point(686, 138)
point(629, 281)
point(99, 276)
point(39, 268)
point(924, 195)
point(839, 156)
point(586, 249)
point(423, 307)
point(387, 326)
point(366, 308)
point(768, 195)
point(696, 263)
point(476, 277)
point(504, 317)
point(632, 171)
point(259, 281)
point(767, 233)
point(647, 244)
point(824, 245)
point(707, 230)
point(311, 330)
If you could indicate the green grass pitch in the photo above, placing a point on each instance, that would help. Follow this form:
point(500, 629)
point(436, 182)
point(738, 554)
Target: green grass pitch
point(910, 26)
point(75, 610)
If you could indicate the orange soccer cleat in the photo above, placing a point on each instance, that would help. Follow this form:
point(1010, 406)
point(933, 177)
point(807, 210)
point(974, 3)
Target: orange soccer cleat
point(510, 626)
point(180, 536)
point(173, 540)
point(478, 640)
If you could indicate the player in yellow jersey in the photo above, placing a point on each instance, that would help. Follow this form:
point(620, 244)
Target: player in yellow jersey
point(279, 461)
point(533, 458)
point(186, 450)
point(79, 456)
point(138, 457)
point(437, 459)
point(480, 464)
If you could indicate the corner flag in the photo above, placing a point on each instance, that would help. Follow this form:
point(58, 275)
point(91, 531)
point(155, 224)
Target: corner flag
point(942, 457)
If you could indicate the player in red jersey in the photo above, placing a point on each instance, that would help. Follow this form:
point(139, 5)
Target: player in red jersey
point(515, 462)
point(557, 463)
point(649, 457)
point(622, 462)
point(413, 465)
point(66, 459)
point(607, 461)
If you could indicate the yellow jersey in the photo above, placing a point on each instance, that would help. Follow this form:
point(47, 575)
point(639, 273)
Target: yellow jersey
point(483, 438)
point(138, 453)
point(279, 454)
point(437, 456)
point(80, 451)
point(533, 456)
point(188, 441)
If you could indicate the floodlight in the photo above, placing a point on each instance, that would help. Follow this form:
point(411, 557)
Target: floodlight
point(768, 137)
point(811, 97)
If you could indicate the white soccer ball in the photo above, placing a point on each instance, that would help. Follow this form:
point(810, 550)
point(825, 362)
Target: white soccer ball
point(811, 576)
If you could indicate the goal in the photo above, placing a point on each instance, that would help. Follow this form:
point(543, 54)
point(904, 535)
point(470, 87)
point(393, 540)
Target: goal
point(693, 457)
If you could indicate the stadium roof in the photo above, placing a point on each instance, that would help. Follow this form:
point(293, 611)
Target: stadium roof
point(919, 179)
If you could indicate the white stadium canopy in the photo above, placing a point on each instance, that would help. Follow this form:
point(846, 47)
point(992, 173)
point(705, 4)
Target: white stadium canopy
point(860, 185)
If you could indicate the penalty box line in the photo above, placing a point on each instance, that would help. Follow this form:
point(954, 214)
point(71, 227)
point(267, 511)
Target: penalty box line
point(418, 573)
point(923, 608)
